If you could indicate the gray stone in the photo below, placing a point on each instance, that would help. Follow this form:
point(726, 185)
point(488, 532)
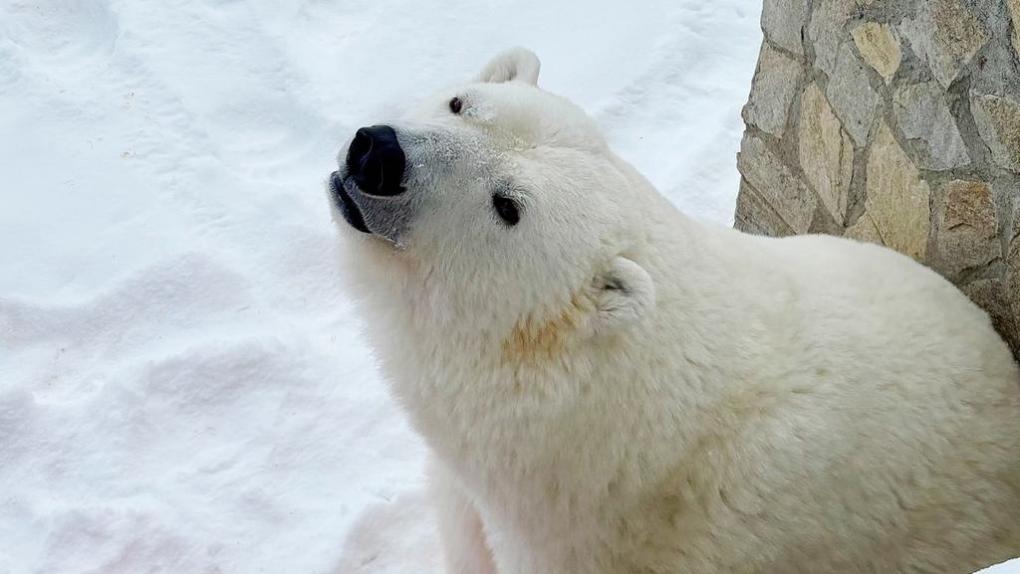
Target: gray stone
point(987, 293)
point(946, 35)
point(1014, 14)
point(826, 152)
point(965, 226)
point(998, 122)
point(879, 48)
point(1012, 293)
point(793, 203)
point(897, 197)
point(826, 31)
point(851, 95)
point(774, 85)
point(923, 115)
point(782, 22)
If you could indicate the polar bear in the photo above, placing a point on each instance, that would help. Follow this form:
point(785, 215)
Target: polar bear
point(607, 386)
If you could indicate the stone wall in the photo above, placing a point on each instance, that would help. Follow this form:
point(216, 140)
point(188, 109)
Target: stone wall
point(897, 122)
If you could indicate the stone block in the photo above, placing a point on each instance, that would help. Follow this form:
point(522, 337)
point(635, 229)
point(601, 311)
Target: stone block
point(755, 215)
point(777, 186)
point(826, 30)
point(998, 122)
point(1014, 14)
point(782, 21)
point(864, 229)
point(879, 48)
point(775, 83)
point(851, 95)
point(897, 198)
point(923, 115)
point(826, 152)
point(965, 228)
point(1012, 291)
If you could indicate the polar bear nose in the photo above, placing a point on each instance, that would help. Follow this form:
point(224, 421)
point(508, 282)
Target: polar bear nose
point(375, 161)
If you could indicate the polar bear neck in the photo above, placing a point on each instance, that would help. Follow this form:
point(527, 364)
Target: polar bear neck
point(457, 377)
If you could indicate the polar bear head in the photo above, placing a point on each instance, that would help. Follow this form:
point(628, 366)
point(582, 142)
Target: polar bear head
point(495, 211)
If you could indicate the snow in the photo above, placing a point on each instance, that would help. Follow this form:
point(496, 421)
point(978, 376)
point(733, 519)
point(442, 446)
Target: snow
point(183, 384)
point(1009, 567)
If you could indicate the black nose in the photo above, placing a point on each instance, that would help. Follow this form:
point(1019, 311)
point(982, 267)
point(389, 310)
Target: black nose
point(376, 161)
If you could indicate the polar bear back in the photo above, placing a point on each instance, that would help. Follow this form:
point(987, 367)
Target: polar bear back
point(870, 422)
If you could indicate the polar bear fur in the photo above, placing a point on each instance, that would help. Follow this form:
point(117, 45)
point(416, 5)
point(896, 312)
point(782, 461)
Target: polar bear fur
point(611, 387)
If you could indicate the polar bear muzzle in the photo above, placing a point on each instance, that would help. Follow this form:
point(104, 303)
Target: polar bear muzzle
point(369, 190)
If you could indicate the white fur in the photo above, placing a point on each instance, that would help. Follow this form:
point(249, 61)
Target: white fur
point(516, 64)
point(612, 387)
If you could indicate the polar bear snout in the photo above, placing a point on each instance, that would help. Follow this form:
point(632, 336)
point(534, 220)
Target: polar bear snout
point(369, 190)
point(376, 161)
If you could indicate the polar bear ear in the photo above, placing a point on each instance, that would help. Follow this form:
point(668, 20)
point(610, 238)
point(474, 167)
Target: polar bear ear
point(513, 65)
point(624, 294)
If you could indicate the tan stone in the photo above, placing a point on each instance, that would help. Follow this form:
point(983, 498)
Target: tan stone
point(966, 227)
point(945, 34)
point(897, 198)
point(998, 122)
point(969, 204)
point(826, 152)
point(755, 215)
point(774, 85)
point(879, 48)
point(777, 186)
point(864, 230)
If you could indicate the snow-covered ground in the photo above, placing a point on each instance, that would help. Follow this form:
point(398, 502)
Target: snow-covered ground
point(183, 387)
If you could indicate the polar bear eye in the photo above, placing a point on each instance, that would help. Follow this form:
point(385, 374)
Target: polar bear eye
point(507, 209)
point(455, 105)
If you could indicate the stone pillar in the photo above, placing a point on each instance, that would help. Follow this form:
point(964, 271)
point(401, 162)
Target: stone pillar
point(897, 122)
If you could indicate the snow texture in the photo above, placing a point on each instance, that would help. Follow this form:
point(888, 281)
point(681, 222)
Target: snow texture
point(183, 385)
point(1010, 567)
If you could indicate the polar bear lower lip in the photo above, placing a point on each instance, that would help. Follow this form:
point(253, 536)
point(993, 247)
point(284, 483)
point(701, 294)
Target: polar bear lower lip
point(345, 203)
